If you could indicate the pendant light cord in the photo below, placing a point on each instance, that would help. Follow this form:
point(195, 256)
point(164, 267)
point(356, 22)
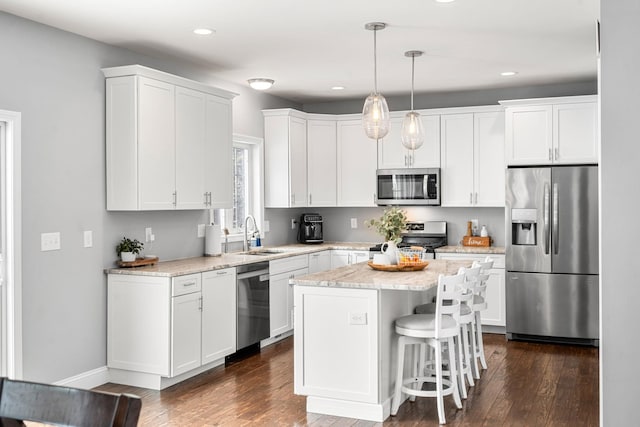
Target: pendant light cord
point(413, 60)
point(375, 62)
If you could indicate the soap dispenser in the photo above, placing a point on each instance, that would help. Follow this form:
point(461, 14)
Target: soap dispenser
point(484, 232)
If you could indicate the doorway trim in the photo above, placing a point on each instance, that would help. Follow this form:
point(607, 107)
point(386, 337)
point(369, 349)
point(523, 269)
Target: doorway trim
point(12, 252)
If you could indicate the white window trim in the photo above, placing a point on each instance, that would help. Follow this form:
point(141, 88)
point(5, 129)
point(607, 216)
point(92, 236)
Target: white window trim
point(12, 334)
point(257, 165)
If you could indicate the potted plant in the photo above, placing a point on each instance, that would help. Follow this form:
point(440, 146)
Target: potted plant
point(391, 225)
point(127, 249)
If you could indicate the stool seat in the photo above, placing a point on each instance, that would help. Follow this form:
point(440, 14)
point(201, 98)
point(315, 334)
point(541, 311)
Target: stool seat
point(423, 325)
point(430, 308)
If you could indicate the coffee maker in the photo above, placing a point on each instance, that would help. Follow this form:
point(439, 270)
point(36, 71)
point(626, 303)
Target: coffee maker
point(310, 228)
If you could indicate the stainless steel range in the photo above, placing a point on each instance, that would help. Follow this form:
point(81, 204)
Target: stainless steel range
point(428, 234)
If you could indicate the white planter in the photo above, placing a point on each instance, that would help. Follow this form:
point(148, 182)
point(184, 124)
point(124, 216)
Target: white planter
point(127, 256)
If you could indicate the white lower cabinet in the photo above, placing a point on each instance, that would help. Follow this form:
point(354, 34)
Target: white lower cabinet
point(342, 257)
point(162, 327)
point(281, 293)
point(495, 314)
point(319, 261)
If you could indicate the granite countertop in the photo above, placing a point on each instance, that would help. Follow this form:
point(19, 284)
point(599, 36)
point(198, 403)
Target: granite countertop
point(361, 276)
point(470, 250)
point(184, 266)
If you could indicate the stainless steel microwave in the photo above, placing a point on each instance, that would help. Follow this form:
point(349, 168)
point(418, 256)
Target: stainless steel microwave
point(408, 186)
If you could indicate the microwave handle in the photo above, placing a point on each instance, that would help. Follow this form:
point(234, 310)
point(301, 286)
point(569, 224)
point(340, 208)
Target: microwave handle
point(425, 186)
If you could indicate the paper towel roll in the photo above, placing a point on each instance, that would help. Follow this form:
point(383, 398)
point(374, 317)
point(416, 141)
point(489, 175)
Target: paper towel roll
point(212, 244)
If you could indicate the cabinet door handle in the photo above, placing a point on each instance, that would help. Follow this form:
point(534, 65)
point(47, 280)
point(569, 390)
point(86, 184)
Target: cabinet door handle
point(200, 303)
point(475, 198)
point(550, 157)
point(470, 198)
point(293, 198)
point(310, 202)
point(189, 284)
point(556, 154)
point(221, 273)
point(175, 198)
point(210, 198)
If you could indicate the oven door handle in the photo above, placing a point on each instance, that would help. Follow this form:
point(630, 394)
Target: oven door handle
point(258, 273)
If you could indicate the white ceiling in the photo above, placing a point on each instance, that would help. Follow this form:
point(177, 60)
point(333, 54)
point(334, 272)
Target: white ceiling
point(308, 46)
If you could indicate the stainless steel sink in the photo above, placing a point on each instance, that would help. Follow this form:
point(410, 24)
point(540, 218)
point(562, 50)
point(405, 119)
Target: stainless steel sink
point(262, 252)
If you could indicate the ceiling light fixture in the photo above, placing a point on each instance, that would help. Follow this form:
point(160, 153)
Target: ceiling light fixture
point(375, 113)
point(203, 31)
point(508, 73)
point(412, 135)
point(260, 84)
point(337, 88)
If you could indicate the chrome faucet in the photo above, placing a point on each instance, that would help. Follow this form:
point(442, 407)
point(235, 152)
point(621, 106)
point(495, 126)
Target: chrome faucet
point(255, 230)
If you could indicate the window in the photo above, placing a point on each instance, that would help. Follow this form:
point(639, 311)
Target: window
point(247, 185)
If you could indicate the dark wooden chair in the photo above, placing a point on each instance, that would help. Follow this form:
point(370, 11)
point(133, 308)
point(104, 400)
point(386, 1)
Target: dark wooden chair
point(65, 406)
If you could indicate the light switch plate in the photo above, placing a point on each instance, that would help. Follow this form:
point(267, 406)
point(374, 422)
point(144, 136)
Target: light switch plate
point(50, 241)
point(354, 222)
point(88, 238)
point(200, 230)
point(357, 318)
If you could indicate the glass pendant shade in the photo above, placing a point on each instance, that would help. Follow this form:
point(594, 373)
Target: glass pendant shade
point(412, 135)
point(375, 116)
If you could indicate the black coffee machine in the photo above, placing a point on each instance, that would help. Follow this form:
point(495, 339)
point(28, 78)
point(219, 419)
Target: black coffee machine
point(310, 228)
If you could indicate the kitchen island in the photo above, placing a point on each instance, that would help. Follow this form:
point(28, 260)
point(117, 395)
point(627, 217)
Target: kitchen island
point(344, 339)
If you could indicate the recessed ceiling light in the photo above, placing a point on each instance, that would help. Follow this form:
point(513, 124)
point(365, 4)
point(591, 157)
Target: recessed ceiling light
point(260, 84)
point(203, 31)
point(445, 1)
point(508, 73)
point(337, 88)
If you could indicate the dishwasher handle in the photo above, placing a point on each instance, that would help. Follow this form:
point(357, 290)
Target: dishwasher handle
point(258, 273)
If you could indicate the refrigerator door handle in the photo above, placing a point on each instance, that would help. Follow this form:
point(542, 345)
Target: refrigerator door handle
point(555, 218)
point(546, 215)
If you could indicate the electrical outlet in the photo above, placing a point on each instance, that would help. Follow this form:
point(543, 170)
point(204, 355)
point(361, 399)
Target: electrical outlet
point(201, 231)
point(266, 226)
point(357, 318)
point(354, 222)
point(148, 232)
point(88, 239)
point(293, 223)
point(50, 241)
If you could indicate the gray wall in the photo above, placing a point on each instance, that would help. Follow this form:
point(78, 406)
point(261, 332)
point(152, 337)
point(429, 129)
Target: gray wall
point(53, 78)
point(620, 290)
point(461, 98)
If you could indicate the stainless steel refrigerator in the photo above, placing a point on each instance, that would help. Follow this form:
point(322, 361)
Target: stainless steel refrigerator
point(552, 253)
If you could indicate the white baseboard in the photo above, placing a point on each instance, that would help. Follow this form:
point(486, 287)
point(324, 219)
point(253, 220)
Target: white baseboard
point(87, 380)
point(343, 408)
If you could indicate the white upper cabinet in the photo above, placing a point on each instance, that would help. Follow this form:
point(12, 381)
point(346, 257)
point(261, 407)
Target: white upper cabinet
point(321, 162)
point(356, 165)
point(551, 131)
point(393, 155)
point(164, 140)
point(285, 158)
point(472, 159)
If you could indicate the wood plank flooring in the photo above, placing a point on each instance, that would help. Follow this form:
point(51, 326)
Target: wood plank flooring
point(527, 384)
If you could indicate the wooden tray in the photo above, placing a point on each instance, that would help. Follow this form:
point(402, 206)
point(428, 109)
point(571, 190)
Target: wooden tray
point(476, 241)
point(139, 262)
point(412, 267)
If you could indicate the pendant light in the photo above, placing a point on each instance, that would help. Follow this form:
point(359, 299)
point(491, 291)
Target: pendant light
point(375, 113)
point(412, 135)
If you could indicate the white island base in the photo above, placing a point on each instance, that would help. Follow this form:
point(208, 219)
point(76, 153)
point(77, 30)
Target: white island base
point(345, 342)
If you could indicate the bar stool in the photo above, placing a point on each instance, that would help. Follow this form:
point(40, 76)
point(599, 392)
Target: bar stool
point(479, 305)
point(432, 330)
point(467, 317)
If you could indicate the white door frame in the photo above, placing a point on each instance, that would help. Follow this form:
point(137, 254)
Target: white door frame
point(12, 241)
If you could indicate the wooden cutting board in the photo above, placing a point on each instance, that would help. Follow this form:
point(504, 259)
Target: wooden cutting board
point(139, 262)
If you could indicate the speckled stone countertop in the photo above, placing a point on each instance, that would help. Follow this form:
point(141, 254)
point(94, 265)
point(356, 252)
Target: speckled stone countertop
point(362, 276)
point(470, 250)
point(184, 266)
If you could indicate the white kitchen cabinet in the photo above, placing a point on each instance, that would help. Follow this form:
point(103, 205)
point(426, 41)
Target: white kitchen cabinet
point(551, 131)
point(162, 138)
point(281, 293)
point(218, 314)
point(393, 155)
point(472, 159)
point(159, 328)
point(342, 257)
point(495, 314)
point(321, 162)
point(285, 158)
point(319, 261)
point(357, 162)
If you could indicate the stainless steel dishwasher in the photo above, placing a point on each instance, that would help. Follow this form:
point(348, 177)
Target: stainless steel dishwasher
point(252, 304)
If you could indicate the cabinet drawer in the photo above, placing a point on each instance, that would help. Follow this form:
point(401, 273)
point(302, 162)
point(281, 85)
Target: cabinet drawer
point(187, 284)
point(288, 264)
point(498, 259)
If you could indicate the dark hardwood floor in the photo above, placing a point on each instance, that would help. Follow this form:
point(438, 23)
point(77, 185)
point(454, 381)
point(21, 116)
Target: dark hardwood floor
point(527, 384)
